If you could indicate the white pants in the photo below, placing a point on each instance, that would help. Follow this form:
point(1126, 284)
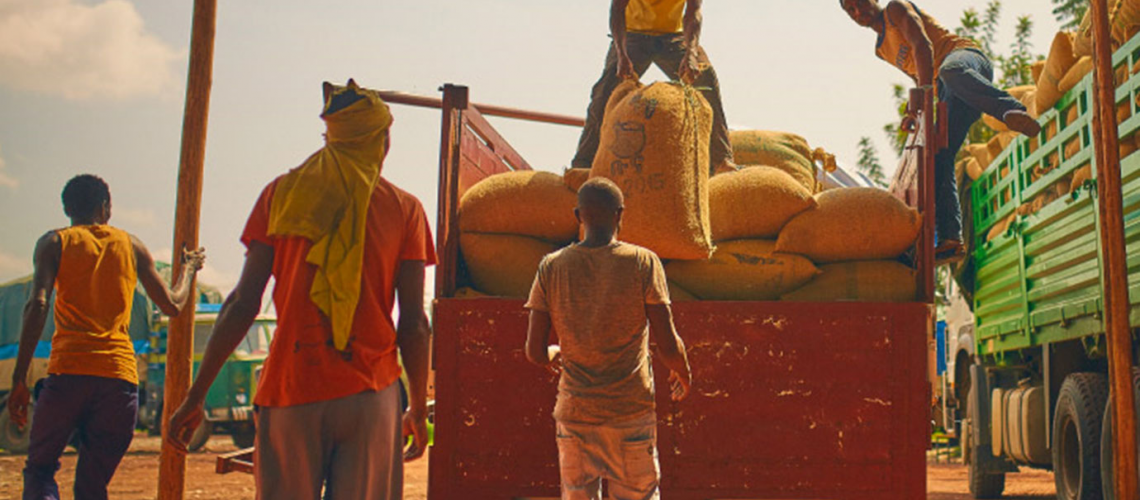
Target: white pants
point(624, 454)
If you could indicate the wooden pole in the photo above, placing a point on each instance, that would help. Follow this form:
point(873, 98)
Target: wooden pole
point(180, 339)
point(1115, 268)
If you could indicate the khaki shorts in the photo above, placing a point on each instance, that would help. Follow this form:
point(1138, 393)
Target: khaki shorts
point(624, 454)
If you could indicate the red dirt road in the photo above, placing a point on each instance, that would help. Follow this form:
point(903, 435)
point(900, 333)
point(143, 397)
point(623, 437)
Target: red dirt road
point(137, 477)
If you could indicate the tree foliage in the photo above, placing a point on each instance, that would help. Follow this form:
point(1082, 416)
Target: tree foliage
point(1070, 12)
point(869, 164)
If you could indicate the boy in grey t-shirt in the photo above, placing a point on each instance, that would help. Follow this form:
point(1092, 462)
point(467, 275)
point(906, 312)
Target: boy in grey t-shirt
point(602, 297)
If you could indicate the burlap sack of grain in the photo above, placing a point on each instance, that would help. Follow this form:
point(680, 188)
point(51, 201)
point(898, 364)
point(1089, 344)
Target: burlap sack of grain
point(980, 152)
point(655, 146)
point(1082, 39)
point(974, 169)
point(754, 202)
point(678, 294)
point(742, 270)
point(1080, 176)
point(1123, 111)
point(1083, 67)
point(503, 265)
point(785, 151)
point(1036, 69)
point(1125, 19)
point(860, 281)
point(575, 177)
point(1018, 93)
point(1000, 227)
point(1061, 59)
point(1044, 198)
point(1029, 100)
point(999, 142)
point(529, 203)
point(851, 224)
point(469, 293)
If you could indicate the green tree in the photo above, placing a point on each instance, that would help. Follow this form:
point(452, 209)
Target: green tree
point(1016, 67)
point(869, 164)
point(895, 134)
point(1070, 12)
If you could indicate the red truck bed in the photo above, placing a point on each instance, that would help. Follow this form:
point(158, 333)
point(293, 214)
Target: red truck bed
point(790, 400)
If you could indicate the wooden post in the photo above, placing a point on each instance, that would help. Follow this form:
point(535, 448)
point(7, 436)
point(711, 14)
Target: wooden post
point(180, 338)
point(1115, 269)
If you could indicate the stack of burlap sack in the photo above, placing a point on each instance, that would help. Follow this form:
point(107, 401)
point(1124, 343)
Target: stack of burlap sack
point(776, 236)
point(1069, 61)
point(775, 240)
point(654, 146)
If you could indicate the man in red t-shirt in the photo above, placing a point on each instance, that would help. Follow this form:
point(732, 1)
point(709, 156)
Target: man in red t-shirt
point(330, 417)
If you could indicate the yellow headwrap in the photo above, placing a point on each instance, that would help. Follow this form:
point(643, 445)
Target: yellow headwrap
point(326, 201)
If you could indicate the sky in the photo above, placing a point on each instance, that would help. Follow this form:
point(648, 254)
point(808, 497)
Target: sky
point(97, 86)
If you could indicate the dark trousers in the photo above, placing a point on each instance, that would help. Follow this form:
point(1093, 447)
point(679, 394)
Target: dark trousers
point(667, 52)
point(101, 411)
point(965, 84)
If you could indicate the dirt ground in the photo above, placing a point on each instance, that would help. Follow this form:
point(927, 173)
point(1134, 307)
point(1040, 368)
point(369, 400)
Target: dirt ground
point(137, 477)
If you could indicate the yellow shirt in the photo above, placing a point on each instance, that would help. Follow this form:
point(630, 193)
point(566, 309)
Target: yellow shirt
point(894, 48)
point(655, 16)
point(95, 290)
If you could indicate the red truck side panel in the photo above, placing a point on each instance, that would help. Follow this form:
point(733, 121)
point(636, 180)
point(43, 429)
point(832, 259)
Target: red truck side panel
point(789, 401)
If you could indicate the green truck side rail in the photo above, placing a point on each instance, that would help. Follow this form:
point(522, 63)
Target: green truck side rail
point(1039, 281)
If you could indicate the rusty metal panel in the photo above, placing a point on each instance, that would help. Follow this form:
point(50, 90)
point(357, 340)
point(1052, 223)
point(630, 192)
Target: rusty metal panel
point(789, 401)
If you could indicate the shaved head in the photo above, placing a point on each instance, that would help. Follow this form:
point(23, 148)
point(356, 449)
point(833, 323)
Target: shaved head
point(600, 205)
point(600, 193)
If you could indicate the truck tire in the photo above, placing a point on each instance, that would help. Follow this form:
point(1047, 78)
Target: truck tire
point(1106, 458)
point(12, 439)
point(200, 437)
point(244, 436)
point(983, 484)
point(1076, 436)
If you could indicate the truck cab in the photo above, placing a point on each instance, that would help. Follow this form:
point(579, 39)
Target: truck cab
point(229, 402)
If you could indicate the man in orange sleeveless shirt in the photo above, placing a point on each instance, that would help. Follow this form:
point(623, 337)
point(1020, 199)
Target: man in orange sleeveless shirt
point(329, 414)
point(914, 42)
point(666, 33)
point(92, 387)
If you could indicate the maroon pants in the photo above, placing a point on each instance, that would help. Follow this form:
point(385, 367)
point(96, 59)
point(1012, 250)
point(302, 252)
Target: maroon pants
point(101, 412)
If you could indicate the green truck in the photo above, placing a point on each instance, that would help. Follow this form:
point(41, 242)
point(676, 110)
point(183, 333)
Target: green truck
point(229, 402)
point(1036, 393)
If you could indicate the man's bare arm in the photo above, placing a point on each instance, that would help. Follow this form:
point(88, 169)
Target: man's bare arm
point(538, 338)
point(618, 32)
point(236, 316)
point(413, 336)
point(46, 263)
point(692, 24)
point(170, 301)
point(903, 15)
point(670, 347)
point(413, 333)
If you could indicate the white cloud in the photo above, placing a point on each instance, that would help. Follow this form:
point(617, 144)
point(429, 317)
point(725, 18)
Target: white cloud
point(217, 278)
point(5, 179)
point(134, 218)
point(12, 267)
point(81, 51)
